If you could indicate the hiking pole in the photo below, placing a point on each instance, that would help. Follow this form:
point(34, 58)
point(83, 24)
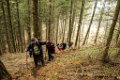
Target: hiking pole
point(26, 61)
point(45, 56)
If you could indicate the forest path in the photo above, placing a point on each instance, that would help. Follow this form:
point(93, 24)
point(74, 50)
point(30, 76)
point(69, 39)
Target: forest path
point(69, 66)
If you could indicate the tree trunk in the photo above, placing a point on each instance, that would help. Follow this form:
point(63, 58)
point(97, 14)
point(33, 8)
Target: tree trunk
point(80, 21)
point(4, 75)
point(118, 54)
point(109, 39)
point(6, 27)
point(100, 20)
point(118, 33)
point(2, 40)
point(73, 17)
point(29, 27)
point(35, 19)
point(106, 28)
point(70, 24)
point(105, 33)
point(50, 20)
point(65, 23)
point(61, 28)
point(118, 44)
point(20, 40)
point(11, 33)
point(46, 24)
point(57, 29)
point(40, 19)
point(74, 29)
point(86, 36)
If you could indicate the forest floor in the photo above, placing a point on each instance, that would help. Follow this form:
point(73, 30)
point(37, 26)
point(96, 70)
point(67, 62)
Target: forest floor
point(73, 64)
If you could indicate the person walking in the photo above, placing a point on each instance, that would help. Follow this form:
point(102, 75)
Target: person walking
point(35, 50)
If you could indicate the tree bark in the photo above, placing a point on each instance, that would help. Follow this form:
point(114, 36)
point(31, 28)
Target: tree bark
point(4, 75)
point(118, 33)
point(46, 24)
point(65, 23)
point(50, 20)
point(73, 17)
point(57, 29)
point(20, 40)
point(6, 27)
point(11, 33)
point(105, 33)
point(35, 19)
point(80, 22)
point(100, 20)
point(109, 39)
point(106, 27)
point(40, 19)
point(86, 36)
point(70, 24)
point(29, 27)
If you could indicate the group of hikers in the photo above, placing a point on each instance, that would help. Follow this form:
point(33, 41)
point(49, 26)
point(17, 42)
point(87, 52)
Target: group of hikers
point(35, 49)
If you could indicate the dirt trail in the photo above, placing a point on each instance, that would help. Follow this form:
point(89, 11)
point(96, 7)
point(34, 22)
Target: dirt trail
point(69, 66)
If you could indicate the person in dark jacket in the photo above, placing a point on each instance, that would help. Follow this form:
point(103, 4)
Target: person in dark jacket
point(62, 46)
point(51, 50)
point(35, 49)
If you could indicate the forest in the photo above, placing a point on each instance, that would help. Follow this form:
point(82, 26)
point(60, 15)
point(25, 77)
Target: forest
point(90, 29)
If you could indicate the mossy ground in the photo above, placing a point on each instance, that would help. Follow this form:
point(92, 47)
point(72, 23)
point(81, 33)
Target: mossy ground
point(73, 64)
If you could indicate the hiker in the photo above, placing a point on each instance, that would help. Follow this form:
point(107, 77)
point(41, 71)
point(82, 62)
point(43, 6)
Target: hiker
point(35, 48)
point(51, 50)
point(62, 46)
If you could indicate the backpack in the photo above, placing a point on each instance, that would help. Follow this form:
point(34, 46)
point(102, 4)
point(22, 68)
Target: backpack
point(36, 49)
